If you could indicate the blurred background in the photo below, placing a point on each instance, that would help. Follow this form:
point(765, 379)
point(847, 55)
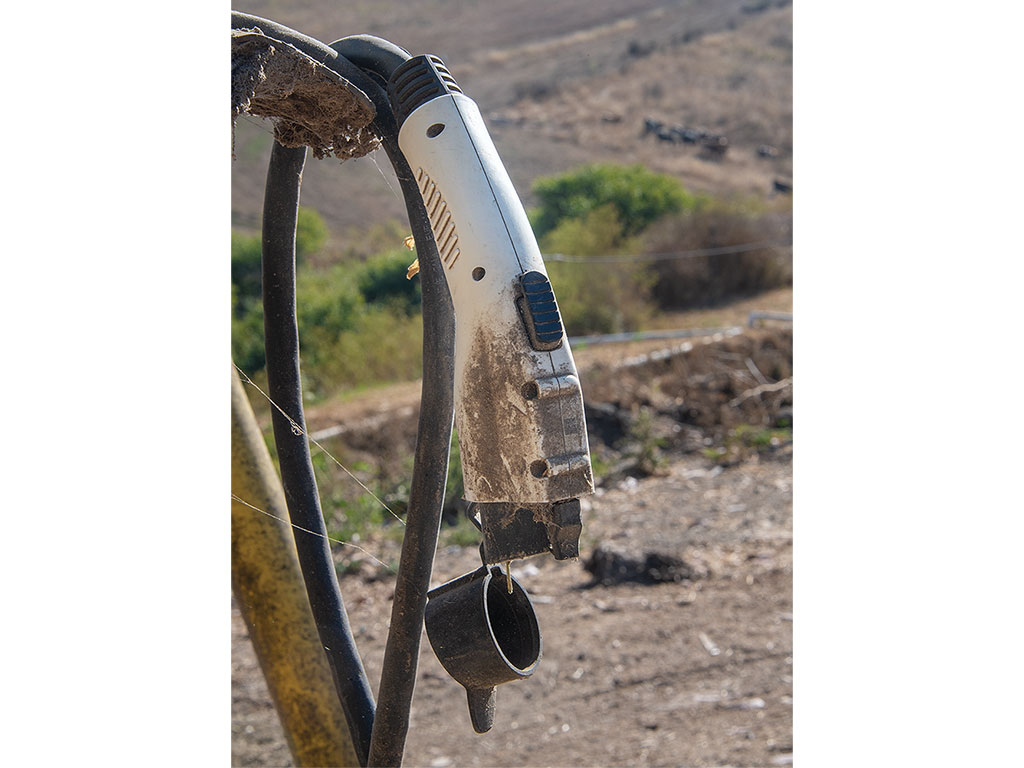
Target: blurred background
point(652, 144)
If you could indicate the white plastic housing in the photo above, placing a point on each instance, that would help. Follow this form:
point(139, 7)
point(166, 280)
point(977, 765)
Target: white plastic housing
point(518, 411)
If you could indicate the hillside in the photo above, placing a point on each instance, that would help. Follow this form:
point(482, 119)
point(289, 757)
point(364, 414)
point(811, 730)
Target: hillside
point(561, 85)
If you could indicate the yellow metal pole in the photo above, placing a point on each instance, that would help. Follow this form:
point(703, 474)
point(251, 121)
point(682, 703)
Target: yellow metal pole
point(268, 586)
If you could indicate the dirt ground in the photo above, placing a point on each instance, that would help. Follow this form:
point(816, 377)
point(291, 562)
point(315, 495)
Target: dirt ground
point(696, 672)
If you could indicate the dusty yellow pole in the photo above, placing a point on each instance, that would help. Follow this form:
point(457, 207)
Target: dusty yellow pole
point(268, 586)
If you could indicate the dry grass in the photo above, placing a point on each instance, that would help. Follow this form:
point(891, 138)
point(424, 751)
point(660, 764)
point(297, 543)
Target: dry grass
point(736, 82)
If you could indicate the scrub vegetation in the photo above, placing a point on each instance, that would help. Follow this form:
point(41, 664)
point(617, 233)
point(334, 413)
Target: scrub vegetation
point(620, 242)
point(360, 324)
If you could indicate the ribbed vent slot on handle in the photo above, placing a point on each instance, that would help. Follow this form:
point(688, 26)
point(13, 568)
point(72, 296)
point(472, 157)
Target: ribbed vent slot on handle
point(442, 223)
point(416, 82)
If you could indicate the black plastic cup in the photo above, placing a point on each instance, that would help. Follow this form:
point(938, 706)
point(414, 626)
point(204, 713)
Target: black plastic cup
point(483, 636)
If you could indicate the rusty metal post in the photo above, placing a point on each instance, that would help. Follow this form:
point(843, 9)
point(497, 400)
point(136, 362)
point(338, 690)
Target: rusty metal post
point(269, 588)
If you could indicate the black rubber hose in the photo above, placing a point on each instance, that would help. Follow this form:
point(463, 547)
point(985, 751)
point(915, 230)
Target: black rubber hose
point(372, 54)
point(308, 45)
point(390, 724)
point(433, 438)
point(280, 215)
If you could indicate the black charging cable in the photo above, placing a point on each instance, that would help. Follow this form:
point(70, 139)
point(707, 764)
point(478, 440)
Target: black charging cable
point(280, 214)
point(379, 737)
point(433, 436)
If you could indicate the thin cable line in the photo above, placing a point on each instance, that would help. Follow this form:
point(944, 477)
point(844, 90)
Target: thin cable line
point(315, 533)
point(721, 251)
point(296, 429)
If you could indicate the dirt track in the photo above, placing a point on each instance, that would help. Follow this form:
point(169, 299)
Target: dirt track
point(695, 673)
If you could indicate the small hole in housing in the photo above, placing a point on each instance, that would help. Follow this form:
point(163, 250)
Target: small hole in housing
point(539, 468)
point(478, 273)
point(530, 390)
point(435, 130)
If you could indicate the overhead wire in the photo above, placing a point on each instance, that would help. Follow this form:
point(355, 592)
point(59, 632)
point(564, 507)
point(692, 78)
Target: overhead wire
point(664, 256)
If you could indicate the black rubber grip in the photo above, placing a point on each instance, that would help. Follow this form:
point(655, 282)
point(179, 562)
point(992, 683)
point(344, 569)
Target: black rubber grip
point(540, 311)
point(417, 81)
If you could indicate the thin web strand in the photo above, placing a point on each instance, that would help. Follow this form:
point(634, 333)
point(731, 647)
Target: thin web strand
point(314, 533)
point(384, 176)
point(296, 429)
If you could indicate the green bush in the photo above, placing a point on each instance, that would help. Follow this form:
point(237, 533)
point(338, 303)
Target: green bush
point(247, 250)
point(382, 280)
point(350, 513)
point(639, 196)
point(646, 447)
point(310, 233)
point(696, 281)
point(246, 333)
point(344, 341)
point(246, 268)
point(608, 297)
point(328, 304)
point(381, 347)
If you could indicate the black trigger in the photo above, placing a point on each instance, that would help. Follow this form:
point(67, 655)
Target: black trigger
point(539, 311)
